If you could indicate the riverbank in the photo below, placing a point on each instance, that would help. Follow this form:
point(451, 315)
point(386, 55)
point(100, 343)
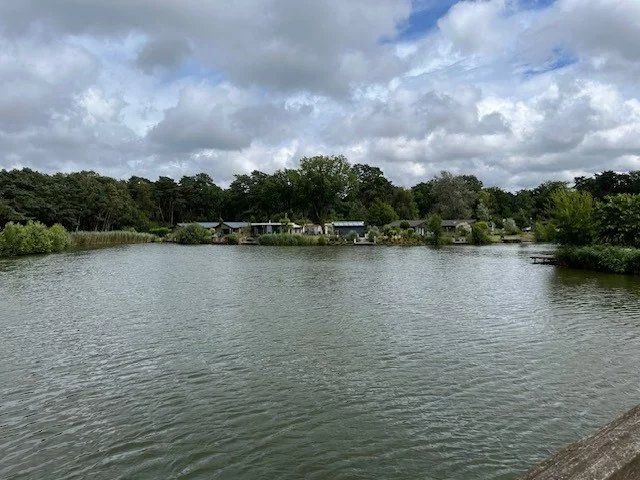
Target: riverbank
point(612, 453)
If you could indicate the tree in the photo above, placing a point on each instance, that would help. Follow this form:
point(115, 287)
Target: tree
point(510, 227)
point(404, 204)
point(618, 220)
point(201, 198)
point(453, 197)
point(422, 195)
point(372, 185)
point(434, 227)
point(480, 233)
point(573, 215)
point(381, 213)
point(325, 182)
point(167, 196)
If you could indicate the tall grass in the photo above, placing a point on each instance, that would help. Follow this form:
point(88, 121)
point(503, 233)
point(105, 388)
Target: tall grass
point(602, 258)
point(115, 237)
point(290, 240)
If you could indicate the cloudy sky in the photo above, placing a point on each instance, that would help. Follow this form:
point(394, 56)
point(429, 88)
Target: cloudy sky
point(514, 91)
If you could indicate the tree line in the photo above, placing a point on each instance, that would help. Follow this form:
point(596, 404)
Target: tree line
point(322, 188)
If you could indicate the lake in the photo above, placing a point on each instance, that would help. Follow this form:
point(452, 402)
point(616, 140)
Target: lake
point(165, 361)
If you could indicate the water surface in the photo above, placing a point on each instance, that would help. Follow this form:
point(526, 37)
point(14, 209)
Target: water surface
point(161, 361)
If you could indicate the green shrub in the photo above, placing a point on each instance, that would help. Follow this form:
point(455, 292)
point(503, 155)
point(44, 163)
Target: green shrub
point(233, 239)
point(60, 239)
point(373, 233)
point(351, 236)
point(14, 240)
point(192, 234)
point(38, 239)
point(32, 238)
point(545, 232)
point(160, 231)
point(322, 241)
point(404, 225)
point(480, 234)
point(510, 227)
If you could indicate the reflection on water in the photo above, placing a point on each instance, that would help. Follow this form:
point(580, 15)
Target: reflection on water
point(160, 361)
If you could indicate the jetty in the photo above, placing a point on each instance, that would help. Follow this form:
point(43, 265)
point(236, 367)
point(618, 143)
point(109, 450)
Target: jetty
point(612, 453)
point(545, 259)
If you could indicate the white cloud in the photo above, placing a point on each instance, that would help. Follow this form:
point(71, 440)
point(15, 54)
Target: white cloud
point(513, 95)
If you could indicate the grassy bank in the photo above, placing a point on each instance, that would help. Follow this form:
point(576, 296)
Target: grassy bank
point(601, 258)
point(102, 239)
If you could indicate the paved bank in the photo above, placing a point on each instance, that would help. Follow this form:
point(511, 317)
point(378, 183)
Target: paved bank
point(612, 453)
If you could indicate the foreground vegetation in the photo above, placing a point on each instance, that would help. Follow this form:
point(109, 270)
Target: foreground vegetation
point(35, 238)
point(32, 238)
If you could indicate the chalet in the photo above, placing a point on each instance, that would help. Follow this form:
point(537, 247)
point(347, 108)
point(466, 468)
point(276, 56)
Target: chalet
point(418, 226)
point(227, 228)
point(312, 229)
point(344, 228)
point(262, 228)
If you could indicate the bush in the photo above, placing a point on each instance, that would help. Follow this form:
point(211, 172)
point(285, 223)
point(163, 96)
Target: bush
point(32, 238)
point(404, 225)
point(480, 234)
point(160, 231)
point(373, 233)
point(510, 227)
point(322, 241)
point(233, 239)
point(192, 234)
point(351, 236)
point(545, 232)
point(601, 258)
point(381, 213)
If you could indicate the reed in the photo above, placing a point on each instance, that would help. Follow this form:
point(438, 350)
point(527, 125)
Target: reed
point(115, 237)
point(290, 240)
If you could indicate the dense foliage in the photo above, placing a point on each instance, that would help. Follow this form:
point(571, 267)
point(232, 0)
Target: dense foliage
point(573, 214)
point(192, 234)
point(34, 237)
point(480, 234)
point(321, 189)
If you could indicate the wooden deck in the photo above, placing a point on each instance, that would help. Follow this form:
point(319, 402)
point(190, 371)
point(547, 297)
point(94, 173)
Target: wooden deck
point(544, 259)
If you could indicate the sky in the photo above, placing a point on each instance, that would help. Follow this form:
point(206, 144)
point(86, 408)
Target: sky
point(516, 92)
